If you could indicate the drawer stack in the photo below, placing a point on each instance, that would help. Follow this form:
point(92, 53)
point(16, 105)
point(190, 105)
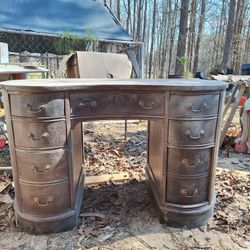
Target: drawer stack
point(40, 144)
point(191, 141)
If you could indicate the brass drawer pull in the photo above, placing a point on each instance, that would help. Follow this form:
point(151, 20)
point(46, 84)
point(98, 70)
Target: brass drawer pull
point(41, 169)
point(150, 106)
point(43, 136)
point(185, 163)
point(188, 133)
point(185, 193)
point(87, 103)
point(202, 106)
point(45, 204)
point(38, 110)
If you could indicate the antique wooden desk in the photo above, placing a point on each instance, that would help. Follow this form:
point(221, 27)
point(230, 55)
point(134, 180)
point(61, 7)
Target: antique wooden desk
point(45, 136)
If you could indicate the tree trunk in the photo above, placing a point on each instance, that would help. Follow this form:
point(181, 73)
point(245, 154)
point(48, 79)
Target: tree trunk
point(191, 33)
point(172, 34)
point(247, 45)
point(138, 32)
point(134, 19)
point(229, 35)
point(152, 41)
point(118, 10)
point(200, 32)
point(183, 25)
point(237, 41)
point(145, 21)
point(129, 15)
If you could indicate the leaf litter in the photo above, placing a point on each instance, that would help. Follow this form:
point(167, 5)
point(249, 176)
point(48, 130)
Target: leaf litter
point(109, 209)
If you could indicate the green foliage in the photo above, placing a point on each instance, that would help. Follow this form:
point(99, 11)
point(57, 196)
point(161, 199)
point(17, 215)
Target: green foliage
point(187, 74)
point(69, 42)
point(182, 60)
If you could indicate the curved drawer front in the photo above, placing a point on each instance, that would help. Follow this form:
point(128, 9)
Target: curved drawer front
point(189, 161)
point(39, 166)
point(196, 105)
point(39, 135)
point(108, 104)
point(45, 199)
point(187, 190)
point(192, 132)
point(37, 105)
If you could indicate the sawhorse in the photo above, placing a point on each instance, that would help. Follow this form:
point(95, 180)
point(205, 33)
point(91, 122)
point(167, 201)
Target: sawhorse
point(242, 87)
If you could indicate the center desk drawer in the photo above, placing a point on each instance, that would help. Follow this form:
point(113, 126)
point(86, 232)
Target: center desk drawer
point(107, 104)
point(42, 166)
point(45, 199)
point(192, 133)
point(46, 105)
point(39, 134)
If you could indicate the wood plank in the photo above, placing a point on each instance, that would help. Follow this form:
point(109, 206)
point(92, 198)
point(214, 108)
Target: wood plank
point(233, 78)
point(232, 113)
point(230, 100)
point(95, 180)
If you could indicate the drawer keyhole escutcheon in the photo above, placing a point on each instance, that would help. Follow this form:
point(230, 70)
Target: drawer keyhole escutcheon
point(87, 103)
point(43, 136)
point(188, 133)
point(191, 107)
point(147, 106)
point(186, 164)
point(36, 110)
point(43, 204)
point(187, 195)
point(41, 169)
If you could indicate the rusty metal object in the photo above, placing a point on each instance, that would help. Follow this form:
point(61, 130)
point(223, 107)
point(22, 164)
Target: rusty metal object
point(45, 137)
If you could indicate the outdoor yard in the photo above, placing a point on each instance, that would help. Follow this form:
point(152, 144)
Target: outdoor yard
point(121, 216)
point(71, 72)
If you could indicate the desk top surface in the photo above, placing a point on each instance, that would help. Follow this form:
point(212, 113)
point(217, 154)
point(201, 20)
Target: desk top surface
point(17, 69)
point(44, 85)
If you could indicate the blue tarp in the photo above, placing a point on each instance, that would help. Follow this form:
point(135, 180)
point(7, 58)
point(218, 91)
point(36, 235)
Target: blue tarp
point(59, 16)
point(246, 66)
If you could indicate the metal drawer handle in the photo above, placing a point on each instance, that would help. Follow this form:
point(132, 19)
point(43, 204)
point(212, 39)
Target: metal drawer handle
point(197, 162)
point(185, 193)
point(38, 110)
point(45, 204)
point(43, 136)
point(188, 133)
point(87, 103)
point(41, 169)
point(150, 106)
point(202, 106)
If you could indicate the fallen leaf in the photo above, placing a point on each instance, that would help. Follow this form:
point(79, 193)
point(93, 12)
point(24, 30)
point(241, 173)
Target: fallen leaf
point(5, 198)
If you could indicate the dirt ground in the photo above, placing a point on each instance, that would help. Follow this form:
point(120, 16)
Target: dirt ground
point(120, 216)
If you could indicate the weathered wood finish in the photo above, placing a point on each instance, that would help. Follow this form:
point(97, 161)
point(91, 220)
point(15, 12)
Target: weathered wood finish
point(45, 136)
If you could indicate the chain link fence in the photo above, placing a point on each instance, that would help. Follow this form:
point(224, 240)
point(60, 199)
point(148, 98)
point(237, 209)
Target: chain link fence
point(41, 50)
